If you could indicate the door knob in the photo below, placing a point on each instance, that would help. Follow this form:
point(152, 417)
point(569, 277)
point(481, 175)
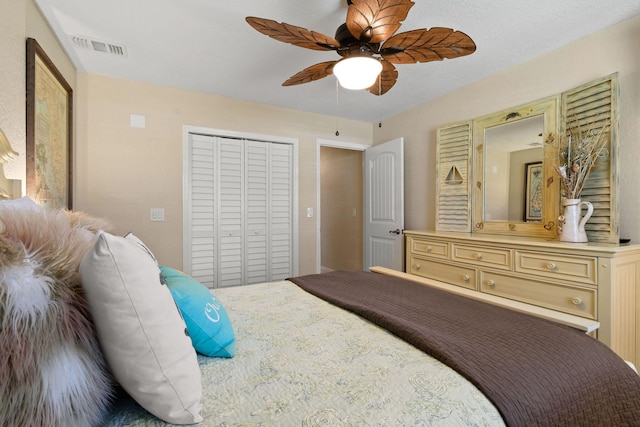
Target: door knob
point(396, 231)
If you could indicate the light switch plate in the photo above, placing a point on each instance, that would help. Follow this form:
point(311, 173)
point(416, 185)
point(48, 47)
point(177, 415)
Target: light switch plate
point(137, 121)
point(157, 214)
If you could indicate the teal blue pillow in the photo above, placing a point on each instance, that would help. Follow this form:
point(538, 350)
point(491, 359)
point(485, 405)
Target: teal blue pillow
point(207, 321)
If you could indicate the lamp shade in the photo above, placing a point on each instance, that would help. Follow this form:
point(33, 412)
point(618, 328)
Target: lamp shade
point(357, 72)
point(6, 152)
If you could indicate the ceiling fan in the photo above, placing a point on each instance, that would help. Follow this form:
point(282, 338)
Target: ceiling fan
point(368, 34)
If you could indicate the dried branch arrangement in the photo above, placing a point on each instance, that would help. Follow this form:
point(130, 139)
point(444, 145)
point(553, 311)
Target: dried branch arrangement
point(580, 148)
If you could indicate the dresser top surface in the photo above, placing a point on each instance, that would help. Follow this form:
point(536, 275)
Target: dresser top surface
point(534, 242)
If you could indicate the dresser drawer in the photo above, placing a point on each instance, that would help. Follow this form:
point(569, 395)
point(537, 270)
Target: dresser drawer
point(483, 256)
point(431, 248)
point(459, 276)
point(568, 299)
point(581, 269)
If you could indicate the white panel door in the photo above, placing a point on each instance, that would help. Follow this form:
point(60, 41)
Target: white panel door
point(384, 205)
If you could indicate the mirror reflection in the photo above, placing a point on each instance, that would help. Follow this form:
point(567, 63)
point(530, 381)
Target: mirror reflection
point(513, 171)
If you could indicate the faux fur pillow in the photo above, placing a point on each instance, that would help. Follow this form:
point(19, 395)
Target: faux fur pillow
point(52, 371)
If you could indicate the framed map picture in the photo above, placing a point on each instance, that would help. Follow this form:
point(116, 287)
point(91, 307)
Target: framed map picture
point(49, 131)
point(533, 192)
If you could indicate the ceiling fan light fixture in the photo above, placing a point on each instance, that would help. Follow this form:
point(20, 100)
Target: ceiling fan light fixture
point(368, 36)
point(357, 72)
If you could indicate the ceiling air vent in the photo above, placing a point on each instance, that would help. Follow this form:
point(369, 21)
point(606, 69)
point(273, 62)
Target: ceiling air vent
point(98, 45)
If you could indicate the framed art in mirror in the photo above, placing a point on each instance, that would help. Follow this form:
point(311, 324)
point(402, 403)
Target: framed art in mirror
point(533, 192)
point(49, 131)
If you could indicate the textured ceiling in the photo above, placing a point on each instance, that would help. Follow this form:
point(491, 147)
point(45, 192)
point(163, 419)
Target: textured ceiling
point(206, 45)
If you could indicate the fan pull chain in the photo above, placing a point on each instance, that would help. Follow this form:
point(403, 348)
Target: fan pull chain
point(380, 100)
point(337, 107)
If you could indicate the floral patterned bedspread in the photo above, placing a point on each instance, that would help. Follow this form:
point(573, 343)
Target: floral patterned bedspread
point(301, 361)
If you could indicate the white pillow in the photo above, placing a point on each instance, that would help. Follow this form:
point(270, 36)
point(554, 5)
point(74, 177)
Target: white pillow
point(140, 330)
point(136, 241)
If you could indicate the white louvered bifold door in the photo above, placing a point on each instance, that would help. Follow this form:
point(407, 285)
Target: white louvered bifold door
point(280, 210)
point(241, 209)
point(256, 214)
point(202, 229)
point(230, 173)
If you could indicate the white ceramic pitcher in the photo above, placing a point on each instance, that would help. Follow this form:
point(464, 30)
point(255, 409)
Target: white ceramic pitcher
point(572, 226)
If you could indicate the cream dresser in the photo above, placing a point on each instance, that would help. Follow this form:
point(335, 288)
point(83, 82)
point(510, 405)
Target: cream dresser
point(589, 280)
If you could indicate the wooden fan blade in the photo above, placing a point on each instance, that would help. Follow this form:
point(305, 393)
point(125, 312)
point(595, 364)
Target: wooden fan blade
point(374, 21)
point(297, 36)
point(315, 72)
point(424, 45)
point(385, 80)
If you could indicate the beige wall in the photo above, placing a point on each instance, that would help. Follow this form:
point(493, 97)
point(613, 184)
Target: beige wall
point(603, 53)
point(497, 181)
point(341, 191)
point(12, 81)
point(121, 172)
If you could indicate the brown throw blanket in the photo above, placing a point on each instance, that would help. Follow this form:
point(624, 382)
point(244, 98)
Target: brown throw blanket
point(535, 372)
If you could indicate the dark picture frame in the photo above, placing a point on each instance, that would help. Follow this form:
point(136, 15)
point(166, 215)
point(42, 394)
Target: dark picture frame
point(533, 177)
point(49, 144)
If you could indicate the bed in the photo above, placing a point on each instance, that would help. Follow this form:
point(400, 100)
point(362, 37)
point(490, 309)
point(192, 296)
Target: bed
point(343, 348)
point(302, 361)
point(305, 361)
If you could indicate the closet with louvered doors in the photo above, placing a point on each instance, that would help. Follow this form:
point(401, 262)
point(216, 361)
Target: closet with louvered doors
point(238, 210)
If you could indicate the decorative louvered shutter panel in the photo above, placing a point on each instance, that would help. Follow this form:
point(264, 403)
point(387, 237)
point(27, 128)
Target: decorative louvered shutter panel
point(598, 102)
point(453, 193)
point(256, 215)
point(230, 171)
point(280, 210)
point(202, 193)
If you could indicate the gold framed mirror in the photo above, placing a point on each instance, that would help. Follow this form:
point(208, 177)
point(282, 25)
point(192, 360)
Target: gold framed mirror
point(515, 190)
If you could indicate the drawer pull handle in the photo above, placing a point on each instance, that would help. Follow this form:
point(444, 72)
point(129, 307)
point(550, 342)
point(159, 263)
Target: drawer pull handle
point(417, 266)
point(576, 301)
point(429, 248)
point(466, 277)
point(478, 256)
point(551, 266)
point(491, 283)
